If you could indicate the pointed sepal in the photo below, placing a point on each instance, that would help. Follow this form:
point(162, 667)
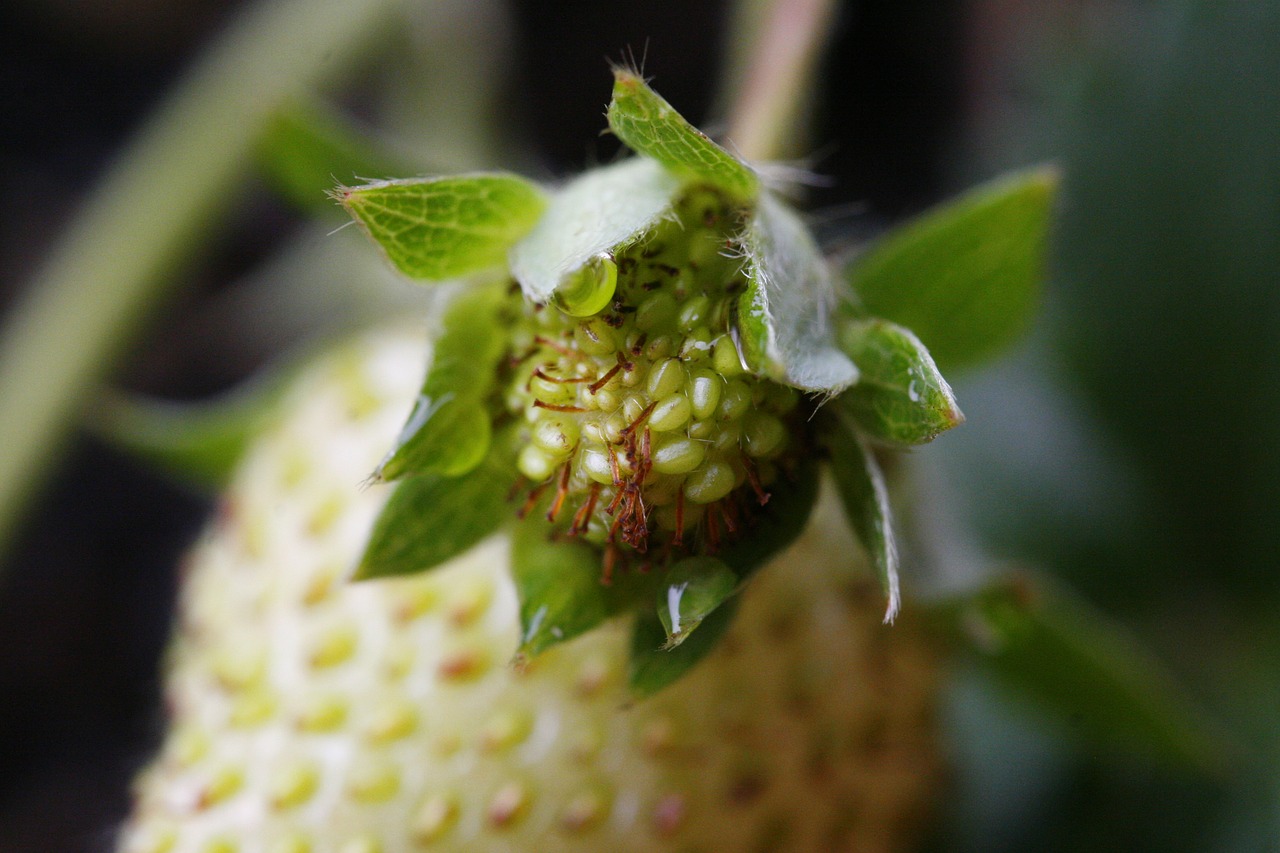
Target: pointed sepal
point(964, 276)
point(861, 486)
point(200, 443)
point(783, 325)
point(431, 518)
point(692, 589)
point(901, 398)
point(443, 228)
point(1044, 642)
point(448, 431)
point(649, 125)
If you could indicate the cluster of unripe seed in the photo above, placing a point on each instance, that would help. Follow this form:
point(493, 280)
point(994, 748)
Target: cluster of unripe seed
point(641, 415)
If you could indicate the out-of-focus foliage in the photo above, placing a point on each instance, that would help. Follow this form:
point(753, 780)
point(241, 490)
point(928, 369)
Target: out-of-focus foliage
point(1135, 449)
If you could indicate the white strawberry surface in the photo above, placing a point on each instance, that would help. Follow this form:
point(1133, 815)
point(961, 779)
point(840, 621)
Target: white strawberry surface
point(311, 715)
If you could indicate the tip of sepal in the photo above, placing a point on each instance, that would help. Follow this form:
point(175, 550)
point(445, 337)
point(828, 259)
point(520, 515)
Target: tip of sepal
point(865, 498)
point(893, 595)
point(903, 399)
point(627, 74)
point(650, 126)
point(432, 518)
point(442, 228)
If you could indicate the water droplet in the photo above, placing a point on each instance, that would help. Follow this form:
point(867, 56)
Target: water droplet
point(588, 290)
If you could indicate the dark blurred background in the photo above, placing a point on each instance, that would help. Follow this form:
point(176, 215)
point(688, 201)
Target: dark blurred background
point(1130, 445)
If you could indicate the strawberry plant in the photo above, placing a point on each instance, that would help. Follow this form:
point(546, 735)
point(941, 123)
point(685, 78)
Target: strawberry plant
point(623, 571)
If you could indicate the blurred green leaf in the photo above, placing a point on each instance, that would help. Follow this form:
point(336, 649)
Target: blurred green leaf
point(900, 398)
point(197, 442)
point(431, 518)
point(1056, 649)
point(166, 193)
point(587, 221)
point(692, 589)
point(307, 149)
point(654, 666)
point(866, 503)
point(783, 323)
point(651, 126)
point(448, 431)
point(964, 276)
point(443, 228)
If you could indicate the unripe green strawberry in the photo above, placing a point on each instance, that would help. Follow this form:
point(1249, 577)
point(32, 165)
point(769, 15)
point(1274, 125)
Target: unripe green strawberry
point(310, 714)
point(639, 410)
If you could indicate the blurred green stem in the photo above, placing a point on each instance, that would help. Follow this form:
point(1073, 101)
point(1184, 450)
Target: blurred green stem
point(126, 246)
point(769, 74)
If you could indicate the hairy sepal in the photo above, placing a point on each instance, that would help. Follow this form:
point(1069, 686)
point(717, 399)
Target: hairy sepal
point(901, 398)
point(588, 220)
point(437, 229)
point(649, 125)
point(784, 324)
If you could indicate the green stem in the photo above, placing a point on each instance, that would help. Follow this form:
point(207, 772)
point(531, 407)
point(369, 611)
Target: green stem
point(772, 74)
point(175, 181)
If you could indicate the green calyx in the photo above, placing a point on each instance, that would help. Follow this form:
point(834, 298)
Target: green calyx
point(648, 386)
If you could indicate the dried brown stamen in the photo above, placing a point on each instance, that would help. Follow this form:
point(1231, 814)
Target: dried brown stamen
point(613, 465)
point(560, 380)
point(595, 387)
point(644, 413)
point(556, 407)
point(678, 540)
point(562, 491)
point(583, 516)
point(530, 502)
point(606, 566)
point(555, 345)
point(761, 495)
point(713, 533)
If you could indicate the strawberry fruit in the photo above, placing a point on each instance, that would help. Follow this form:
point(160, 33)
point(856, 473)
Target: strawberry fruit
point(672, 649)
point(309, 714)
